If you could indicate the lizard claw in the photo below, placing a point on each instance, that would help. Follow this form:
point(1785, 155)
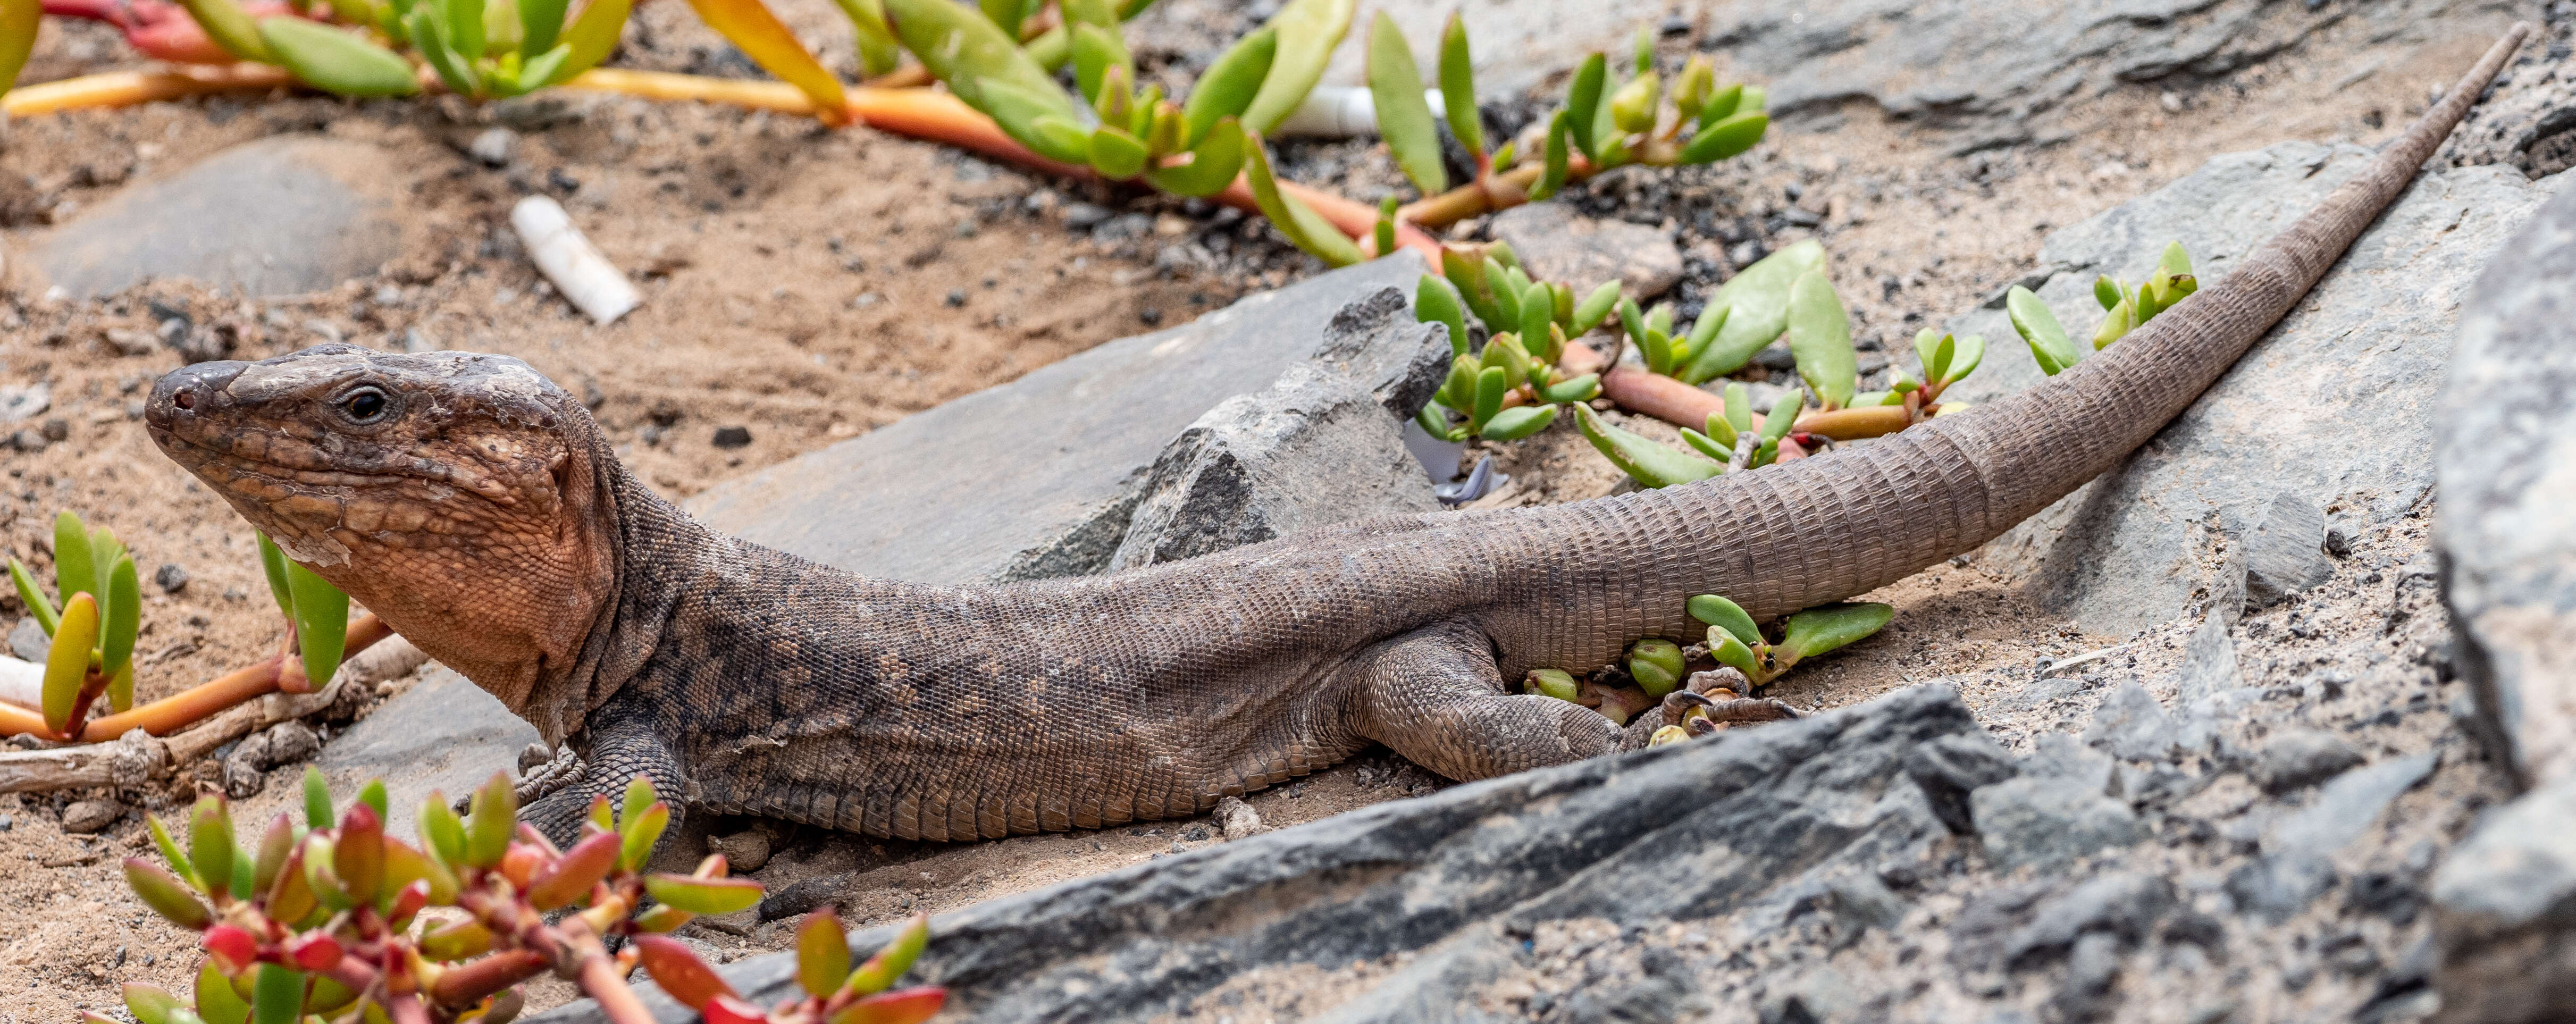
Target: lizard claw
point(540, 773)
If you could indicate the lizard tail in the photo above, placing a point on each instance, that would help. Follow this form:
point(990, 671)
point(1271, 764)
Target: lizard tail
point(1869, 515)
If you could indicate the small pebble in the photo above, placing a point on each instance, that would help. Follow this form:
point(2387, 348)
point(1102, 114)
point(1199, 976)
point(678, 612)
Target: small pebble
point(170, 578)
point(87, 817)
point(732, 437)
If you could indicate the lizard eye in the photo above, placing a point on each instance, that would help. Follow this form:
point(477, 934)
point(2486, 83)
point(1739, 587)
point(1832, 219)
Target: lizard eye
point(365, 405)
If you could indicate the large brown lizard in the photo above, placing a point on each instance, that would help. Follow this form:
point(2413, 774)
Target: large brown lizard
point(476, 508)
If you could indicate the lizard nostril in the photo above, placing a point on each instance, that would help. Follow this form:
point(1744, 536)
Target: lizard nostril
point(185, 399)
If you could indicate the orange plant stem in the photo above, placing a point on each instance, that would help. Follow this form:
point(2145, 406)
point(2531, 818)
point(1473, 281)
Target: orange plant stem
point(125, 88)
point(1856, 423)
point(180, 710)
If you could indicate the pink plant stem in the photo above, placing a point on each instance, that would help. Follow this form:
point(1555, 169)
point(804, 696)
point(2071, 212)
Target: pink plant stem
point(406, 1009)
point(617, 1001)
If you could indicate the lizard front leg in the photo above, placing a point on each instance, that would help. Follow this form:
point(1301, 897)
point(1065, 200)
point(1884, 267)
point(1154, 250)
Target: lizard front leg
point(621, 749)
point(1435, 696)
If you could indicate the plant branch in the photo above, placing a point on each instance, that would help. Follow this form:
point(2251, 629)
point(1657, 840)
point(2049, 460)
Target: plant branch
point(126, 88)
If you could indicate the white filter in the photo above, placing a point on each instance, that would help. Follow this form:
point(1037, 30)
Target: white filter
point(22, 683)
point(594, 285)
point(1343, 111)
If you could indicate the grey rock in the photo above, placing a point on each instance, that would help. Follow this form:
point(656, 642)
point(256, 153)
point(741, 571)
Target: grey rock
point(28, 441)
point(170, 577)
point(2530, 123)
point(1039, 477)
point(281, 216)
point(22, 402)
point(1688, 831)
point(2297, 758)
point(291, 742)
point(2209, 663)
point(2049, 820)
point(1557, 244)
point(89, 817)
point(1952, 767)
point(444, 734)
point(2090, 971)
point(494, 147)
point(2276, 886)
point(2132, 726)
point(2125, 551)
point(2059, 756)
point(2123, 904)
point(2348, 806)
point(28, 641)
point(2507, 533)
point(2501, 906)
point(2286, 552)
point(1312, 450)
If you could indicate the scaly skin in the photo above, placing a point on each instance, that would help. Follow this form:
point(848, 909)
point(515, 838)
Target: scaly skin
point(476, 508)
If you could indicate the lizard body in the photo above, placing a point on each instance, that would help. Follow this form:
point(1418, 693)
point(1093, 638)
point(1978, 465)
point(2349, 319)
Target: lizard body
point(476, 508)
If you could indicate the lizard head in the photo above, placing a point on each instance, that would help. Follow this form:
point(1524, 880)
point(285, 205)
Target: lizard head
point(458, 496)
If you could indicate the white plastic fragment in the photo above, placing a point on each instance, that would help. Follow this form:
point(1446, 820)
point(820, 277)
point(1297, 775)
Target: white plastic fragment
point(594, 285)
point(22, 683)
point(1343, 111)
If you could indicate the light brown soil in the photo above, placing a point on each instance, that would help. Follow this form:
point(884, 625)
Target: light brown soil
point(753, 235)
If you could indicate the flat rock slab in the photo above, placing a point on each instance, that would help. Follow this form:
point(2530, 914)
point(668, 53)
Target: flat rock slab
point(1559, 245)
point(1747, 824)
point(1037, 477)
point(2333, 407)
point(443, 734)
point(281, 216)
point(1947, 60)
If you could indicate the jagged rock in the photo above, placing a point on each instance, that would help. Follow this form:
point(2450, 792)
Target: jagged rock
point(2281, 884)
point(1039, 477)
point(2508, 537)
point(1952, 767)
point(1312, 450)
point(2047, 820)
point(1556, 244)
point(2529, 123)
point(2348, 806)
point(2125, 552)
point(27, 640)
point(2296, 758)
point(2132, 726)
point(2286, 552)
point(1684, 832)
point(2122, 904)
point(280, 216)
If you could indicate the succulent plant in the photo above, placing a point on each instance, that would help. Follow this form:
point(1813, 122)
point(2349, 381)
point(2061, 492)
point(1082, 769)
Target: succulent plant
point(92, 629)
point(333, 920)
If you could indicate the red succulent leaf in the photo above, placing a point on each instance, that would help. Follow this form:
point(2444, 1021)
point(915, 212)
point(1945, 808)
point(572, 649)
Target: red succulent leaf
point(521, 863)
point(314, 951)
point(570, 877)
point(232, 947)
point(733, 1010)
point(901, 1006)
point(687, 978)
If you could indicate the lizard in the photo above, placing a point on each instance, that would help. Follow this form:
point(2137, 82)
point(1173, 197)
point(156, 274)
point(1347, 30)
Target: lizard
point(479, 510)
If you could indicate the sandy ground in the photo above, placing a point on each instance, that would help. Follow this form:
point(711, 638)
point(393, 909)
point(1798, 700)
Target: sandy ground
point(810, 285)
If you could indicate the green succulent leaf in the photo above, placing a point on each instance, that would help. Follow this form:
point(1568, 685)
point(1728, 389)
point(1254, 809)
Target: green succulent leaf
point(231, 28)
point(1726, 615)
point(1644, 460)
point(1720, 106)
point(822, 954)
point(1007, 14)
point(540, 23)
point(75, 571)
point(1738, 410)
point(1783, 415)
point(1435, 300)
point(1229, 85)
point(2107, 292)
point(2175, 261)
point(1734, 654)
point(277, 995)
point(1573, 389)
point(1518, 422)
point(1818, 630)
point(1756, 301)
point(878, 49)
point(321, 622)
point(1214, 163)
point(166, 894)
point(1583, 103)
point(462, 79)
point(2031, 318)
point(703, 895)
point(1308, 32)
point(1594, 308)
point(1725, 139)
point(963, 48)
point(1303, 227)
point(1095, 51)
point(1043, 121)
point(1553, 682)
point(1403, 115)
point(1117, 155)
point(1558, 160)
point(1971, 351)
point(33, 597)
point(217, 1001)
point(1458, 85)
point(1820, 336)
point(1656, 664)
point(211, 845)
